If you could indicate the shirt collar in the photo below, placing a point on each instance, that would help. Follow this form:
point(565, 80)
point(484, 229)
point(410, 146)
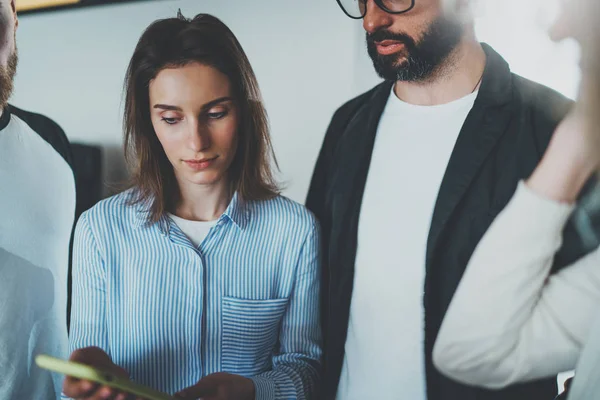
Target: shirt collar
point(237, 212)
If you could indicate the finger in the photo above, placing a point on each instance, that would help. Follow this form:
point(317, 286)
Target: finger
point(106, 393)
point(77, 388)
point(203, 389)
point(120, 371)
point(127, 396)
point(97, 358)
point(84, 355)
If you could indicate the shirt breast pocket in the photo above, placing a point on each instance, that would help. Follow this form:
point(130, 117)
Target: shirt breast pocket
point(250, 334)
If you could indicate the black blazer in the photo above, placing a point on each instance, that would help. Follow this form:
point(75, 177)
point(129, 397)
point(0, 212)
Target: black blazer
point(501, 142)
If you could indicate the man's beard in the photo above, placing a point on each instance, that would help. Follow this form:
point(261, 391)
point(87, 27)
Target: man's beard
point(7, 76)
point(423, 59)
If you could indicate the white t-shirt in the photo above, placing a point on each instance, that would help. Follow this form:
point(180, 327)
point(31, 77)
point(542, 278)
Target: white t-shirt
point(196, 231)
point(384, 354)
point(37, 208)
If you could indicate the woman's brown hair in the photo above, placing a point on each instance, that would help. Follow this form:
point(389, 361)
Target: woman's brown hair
point(175, 42)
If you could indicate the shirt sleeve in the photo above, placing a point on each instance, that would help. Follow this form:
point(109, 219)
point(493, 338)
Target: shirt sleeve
point(509, 321)
point(88, 323)
point(296, 367)
point(88, 314)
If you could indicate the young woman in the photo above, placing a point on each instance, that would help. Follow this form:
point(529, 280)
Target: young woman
point(201, 279)
point(511, 321)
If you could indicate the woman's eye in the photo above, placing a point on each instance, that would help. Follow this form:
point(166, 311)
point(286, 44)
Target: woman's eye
point(170, 121)
point(217, 115)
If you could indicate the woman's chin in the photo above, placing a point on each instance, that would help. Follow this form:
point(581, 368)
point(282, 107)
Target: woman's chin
point(204, 178)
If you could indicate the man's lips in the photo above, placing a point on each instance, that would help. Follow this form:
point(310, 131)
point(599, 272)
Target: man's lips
point(387, 47)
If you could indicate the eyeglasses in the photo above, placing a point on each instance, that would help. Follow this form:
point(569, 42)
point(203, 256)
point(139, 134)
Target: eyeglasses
point(357, 9)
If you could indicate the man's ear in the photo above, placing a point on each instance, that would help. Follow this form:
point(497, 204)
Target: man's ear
point(13, 7)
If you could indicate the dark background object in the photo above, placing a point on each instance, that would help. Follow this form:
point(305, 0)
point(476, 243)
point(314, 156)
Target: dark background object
point(87, 164)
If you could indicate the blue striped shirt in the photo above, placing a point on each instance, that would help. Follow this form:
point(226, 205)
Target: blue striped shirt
point(245, 301)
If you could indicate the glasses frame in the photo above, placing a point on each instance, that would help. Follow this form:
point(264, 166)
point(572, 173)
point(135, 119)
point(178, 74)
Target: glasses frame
point(379, 4)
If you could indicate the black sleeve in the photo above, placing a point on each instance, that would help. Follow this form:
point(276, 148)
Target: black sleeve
point(49, 130)
point(315, 200)
point(316, 192)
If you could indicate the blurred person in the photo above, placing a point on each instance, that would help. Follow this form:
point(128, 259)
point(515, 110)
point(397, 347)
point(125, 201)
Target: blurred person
point(409, 177)
point(200, 280)
point(37, 210)
point(542, 324)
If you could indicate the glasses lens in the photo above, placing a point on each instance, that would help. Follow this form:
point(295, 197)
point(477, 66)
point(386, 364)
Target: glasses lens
point(354, 8)
point(396, 6)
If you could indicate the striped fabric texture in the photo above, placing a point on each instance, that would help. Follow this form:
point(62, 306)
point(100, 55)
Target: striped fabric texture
point(245, 301)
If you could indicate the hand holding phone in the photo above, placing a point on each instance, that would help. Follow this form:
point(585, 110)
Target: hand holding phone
point(90, 374)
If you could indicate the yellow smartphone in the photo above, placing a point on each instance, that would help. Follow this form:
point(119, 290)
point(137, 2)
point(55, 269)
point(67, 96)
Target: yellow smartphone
point(82, 371)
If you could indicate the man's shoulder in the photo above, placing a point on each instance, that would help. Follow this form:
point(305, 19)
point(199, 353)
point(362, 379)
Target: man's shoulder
point(352, 109)
point(47, 129)
point(544, 104)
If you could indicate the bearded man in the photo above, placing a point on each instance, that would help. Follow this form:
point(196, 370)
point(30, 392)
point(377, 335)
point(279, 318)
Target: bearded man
point(37, 209)
point(410, 176)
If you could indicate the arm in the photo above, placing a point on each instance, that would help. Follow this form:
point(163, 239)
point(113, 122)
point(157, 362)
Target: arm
point(296, 368)
point(508, 321)
point(89, 337)
point(88, 323)
point(88, 319)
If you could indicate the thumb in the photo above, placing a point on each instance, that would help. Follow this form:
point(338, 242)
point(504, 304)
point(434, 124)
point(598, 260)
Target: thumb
point(98, 358)
point(205, 387)
point(93, 356)
point(120, 371)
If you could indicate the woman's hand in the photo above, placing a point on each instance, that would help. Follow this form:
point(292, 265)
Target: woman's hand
point(574, 152)
point(81, 389)
point(220, 386)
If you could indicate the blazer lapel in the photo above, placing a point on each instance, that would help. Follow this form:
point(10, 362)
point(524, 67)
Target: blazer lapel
point(484, 126)
point(352, 158)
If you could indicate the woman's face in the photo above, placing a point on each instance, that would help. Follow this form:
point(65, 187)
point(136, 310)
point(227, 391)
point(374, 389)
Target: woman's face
point(195, 119)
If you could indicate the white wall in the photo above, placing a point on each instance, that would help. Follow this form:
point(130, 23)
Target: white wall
point(518, 30)
point(309, 59)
